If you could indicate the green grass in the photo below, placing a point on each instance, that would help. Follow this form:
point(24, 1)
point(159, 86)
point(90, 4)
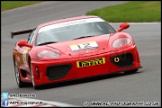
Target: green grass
point(6, 5)
point(135, 11)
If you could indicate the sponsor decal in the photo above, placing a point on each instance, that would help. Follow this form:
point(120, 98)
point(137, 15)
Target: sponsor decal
point(24, 58)
point(18, 58)
point(88, 63)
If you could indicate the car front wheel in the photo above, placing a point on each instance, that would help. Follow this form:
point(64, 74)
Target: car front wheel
point(17, 76)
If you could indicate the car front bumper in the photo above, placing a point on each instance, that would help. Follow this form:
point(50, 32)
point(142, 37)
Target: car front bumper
point(59, 70)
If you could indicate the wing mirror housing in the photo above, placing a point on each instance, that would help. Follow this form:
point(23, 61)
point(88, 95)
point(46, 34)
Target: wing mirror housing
point(22, 43)
point(123, 26)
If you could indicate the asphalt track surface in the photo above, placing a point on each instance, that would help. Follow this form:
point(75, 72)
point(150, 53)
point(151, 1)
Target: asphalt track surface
point(145, 85)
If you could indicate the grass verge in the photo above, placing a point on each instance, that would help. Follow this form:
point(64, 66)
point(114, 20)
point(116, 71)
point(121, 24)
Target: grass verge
point(135, 11)
point(6, 5)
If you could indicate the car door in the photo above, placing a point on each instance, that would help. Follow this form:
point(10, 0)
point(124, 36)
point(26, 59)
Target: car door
point(23, 53)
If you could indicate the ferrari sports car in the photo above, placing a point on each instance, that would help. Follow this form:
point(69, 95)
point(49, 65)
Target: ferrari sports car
point(73, 48)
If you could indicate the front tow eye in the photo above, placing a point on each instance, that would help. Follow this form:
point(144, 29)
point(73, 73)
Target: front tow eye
point(116, 59)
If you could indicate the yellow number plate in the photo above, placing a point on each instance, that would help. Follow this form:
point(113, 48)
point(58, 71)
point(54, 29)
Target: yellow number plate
point(90, 62)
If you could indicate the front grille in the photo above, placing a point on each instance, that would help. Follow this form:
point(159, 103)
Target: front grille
point(58, 71)
point(122, 60)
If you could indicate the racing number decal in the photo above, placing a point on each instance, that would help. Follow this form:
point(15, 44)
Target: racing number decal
point(81, 46)
point(84, 46)
point(24, 58)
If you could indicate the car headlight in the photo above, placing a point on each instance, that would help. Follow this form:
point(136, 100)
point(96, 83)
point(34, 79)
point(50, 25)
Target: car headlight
point(48, 54)
point(121, 42)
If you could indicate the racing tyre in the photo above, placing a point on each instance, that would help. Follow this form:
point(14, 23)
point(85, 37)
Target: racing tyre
point(17, 76)
point(131, 71)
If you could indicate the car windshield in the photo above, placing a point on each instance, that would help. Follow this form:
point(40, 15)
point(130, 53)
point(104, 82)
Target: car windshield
point(74, 30)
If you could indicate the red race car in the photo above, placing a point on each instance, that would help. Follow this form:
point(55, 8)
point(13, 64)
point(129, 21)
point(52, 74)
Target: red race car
point(73, 48)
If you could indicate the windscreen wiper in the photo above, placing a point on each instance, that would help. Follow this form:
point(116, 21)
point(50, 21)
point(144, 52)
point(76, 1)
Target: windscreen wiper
point(45, 43)
point(82, 37)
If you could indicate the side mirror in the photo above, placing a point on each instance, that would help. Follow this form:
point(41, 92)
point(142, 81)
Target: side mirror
point(123, 26)
point(24, 43)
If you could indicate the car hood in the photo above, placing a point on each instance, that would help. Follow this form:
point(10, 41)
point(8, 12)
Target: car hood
point(85, 46)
